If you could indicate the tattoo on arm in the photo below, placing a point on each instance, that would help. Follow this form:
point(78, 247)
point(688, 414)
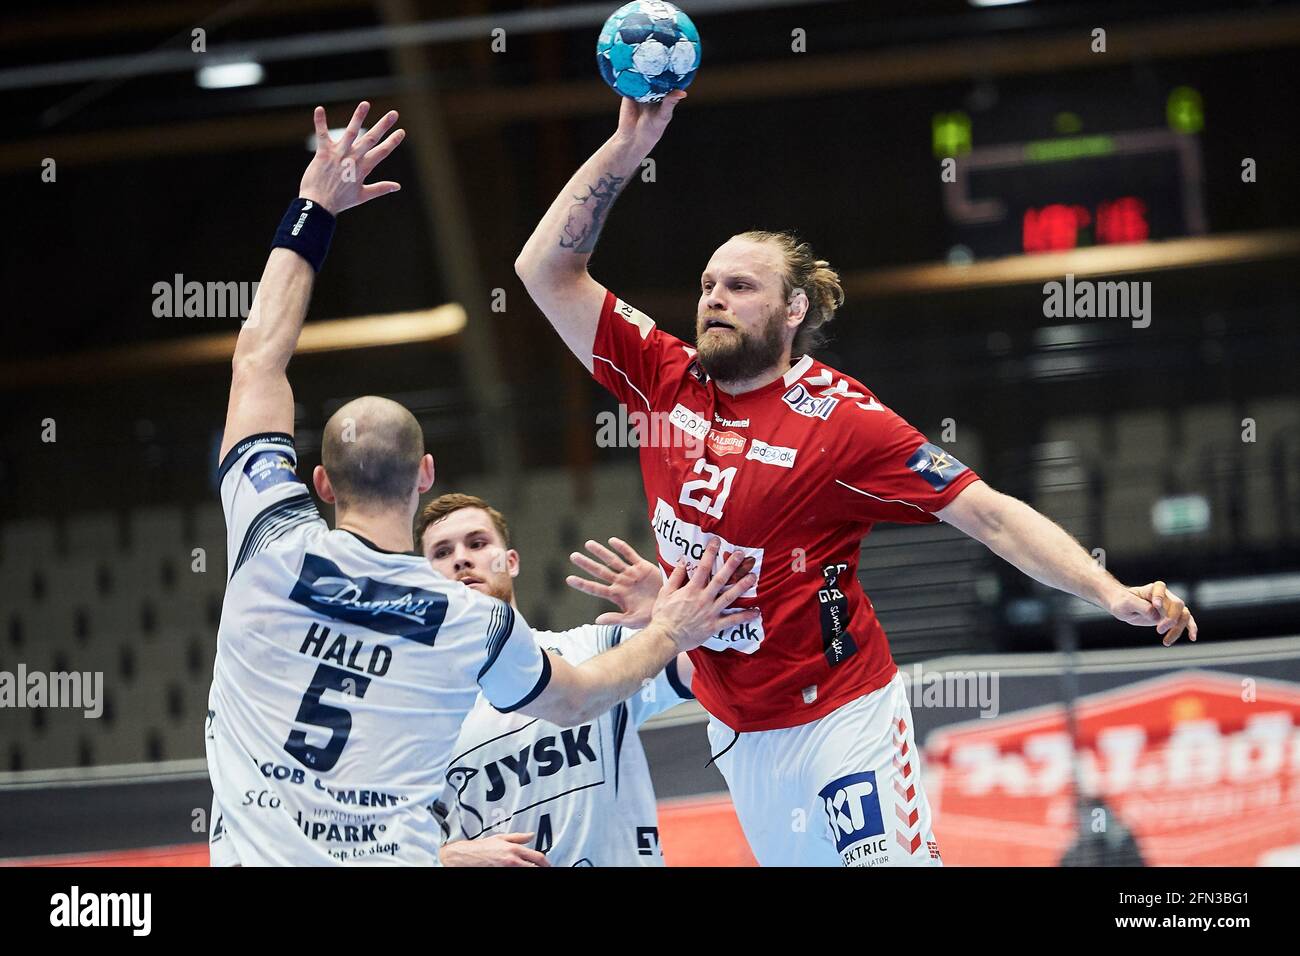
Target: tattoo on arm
point(587, 215)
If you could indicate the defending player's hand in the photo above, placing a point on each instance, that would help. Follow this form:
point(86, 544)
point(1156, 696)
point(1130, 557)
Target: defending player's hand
point(642, 124)
point(1155, 605)
point(336, 176)
point(631, 582)
point(692, 608)
point(500, 849)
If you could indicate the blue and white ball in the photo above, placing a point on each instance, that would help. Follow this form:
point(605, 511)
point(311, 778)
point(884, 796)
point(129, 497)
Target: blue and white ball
point(647, 49)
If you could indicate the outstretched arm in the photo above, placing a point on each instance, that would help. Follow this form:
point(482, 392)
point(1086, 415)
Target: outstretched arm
point(631, 582)
point(686, 613)
point(553, 263)
point(1048, 554)
point(260, 397)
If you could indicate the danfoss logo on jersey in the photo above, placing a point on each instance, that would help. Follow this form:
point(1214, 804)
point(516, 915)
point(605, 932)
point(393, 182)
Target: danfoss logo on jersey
point(1203, 767)
point(725, 443)
point(403, 611)
point(510, 774)
point(805, 403)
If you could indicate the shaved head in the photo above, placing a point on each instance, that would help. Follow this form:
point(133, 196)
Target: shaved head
point(371, 453)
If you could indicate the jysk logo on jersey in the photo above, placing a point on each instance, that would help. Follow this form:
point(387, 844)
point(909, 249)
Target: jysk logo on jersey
point(269, 468)
point(399, 610)
point(805, 403)
point(771, 454)
point(935, 465)
point(853, 809)
point(510, 774)
point(725, 443)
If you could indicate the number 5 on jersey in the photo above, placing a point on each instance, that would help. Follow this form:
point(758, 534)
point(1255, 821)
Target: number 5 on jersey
point(317, 714)
point(703, 493)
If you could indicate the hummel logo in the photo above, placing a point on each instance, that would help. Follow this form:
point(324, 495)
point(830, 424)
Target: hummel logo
point(728, 423)
point(840, 389)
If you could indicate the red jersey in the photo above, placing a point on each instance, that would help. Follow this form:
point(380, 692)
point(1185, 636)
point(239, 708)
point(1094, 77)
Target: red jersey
point(793, 474)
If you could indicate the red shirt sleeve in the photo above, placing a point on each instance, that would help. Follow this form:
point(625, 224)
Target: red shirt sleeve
point(633, 358)
point(890, 472)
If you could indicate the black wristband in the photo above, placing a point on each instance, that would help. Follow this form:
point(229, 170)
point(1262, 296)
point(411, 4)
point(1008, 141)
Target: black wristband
point(306, 229)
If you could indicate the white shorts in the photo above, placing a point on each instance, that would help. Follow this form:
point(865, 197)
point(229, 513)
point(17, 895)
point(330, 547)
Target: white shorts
point(844, 790)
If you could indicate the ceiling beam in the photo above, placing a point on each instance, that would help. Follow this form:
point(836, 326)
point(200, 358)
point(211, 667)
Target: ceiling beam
point(1191, 253)
point(103, 20)
point(1199, 252)
point(332, 335)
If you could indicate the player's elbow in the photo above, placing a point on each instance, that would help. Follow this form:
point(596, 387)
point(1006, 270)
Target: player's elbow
point(978, 511)
point(582, 712)
point(530, 262)
point(538, 273)
point(567, 705)
point(251, 364)
point(245, 366)
point(573, 709)
point(523, 264)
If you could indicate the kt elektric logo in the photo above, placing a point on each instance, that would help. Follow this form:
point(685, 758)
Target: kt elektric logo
point(400, 610)
point(853, 808)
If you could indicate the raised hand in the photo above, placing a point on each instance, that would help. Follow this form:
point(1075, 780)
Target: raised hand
point(1154, 605)
point(642, 124)
point(336, 177)
point(631, 582)
point(692, 608)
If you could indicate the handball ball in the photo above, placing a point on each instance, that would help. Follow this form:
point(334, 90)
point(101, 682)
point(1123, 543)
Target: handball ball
point(647, 49)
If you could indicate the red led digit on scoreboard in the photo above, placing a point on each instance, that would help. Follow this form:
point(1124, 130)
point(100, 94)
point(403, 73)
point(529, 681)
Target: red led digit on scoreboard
point(1122, 220)
point(1054, 227)
point(1057, 226)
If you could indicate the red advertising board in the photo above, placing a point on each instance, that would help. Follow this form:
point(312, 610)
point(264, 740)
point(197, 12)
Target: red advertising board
point(1202, 767)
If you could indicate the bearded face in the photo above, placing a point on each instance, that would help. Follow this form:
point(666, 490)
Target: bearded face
point(743, 319)
point(730, 352)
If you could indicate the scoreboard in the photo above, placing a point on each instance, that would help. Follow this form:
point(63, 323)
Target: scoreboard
point(1075, 189)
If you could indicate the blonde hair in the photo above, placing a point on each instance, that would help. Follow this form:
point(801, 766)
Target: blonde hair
point(821, 283)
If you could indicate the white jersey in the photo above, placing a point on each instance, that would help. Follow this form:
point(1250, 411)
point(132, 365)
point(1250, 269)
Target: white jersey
point(585, 791)
point(343, 674)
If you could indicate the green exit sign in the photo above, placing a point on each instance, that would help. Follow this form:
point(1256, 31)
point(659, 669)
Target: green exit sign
point(1181, 514)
